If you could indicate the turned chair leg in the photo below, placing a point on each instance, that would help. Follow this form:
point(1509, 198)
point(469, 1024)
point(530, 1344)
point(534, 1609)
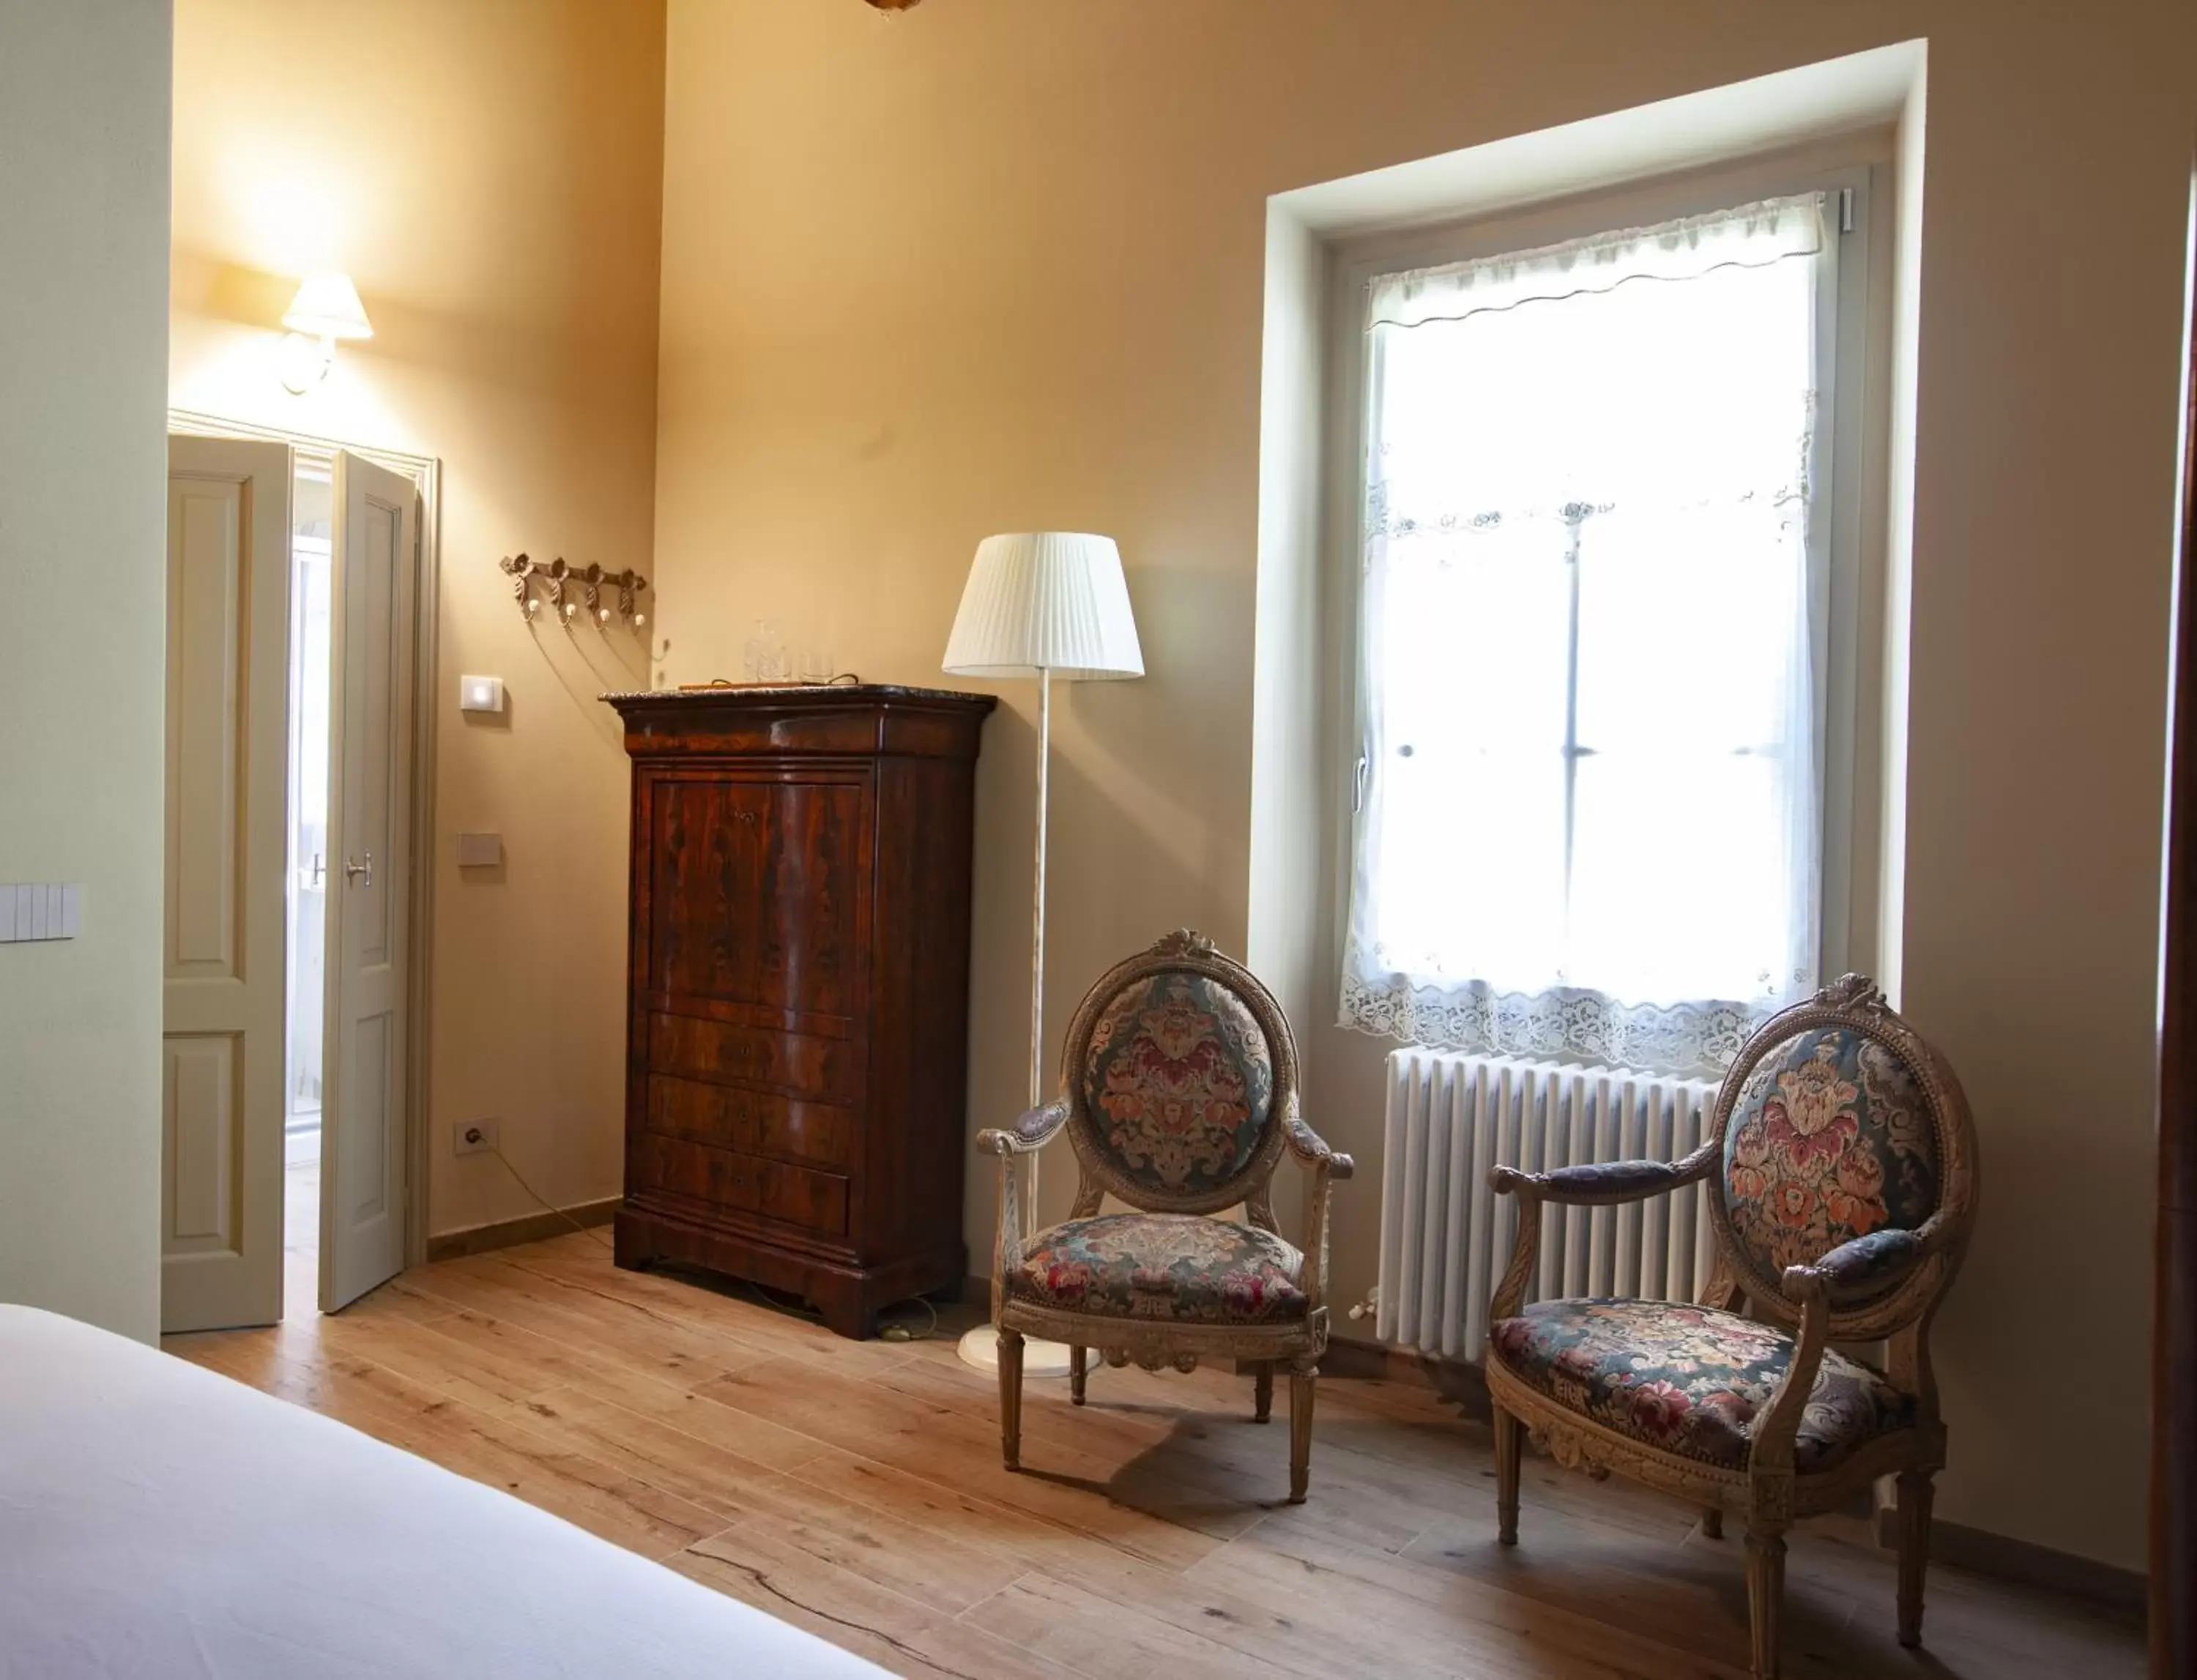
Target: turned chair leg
point(1712, 1522)
point(1262, 1393)
point(1508, 1433)
point(1302, 1373)
point(1915, 1495)
point(1010, 1399)
point(1766, 1596)
point(1076, 1373)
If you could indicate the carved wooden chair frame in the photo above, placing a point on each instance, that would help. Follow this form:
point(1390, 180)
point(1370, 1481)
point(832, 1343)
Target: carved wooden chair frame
point(1296, 1344)
point(1885, 1286)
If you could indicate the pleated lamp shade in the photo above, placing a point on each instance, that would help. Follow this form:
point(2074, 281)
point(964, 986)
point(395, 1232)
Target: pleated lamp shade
point(1050, 600)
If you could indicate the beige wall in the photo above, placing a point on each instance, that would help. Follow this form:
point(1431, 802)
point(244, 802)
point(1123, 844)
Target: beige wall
point(990, 264)
point(489, 175)
point(84, 226)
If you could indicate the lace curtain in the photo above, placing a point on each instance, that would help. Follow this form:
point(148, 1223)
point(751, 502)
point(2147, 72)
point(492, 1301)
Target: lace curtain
point(1587, 826)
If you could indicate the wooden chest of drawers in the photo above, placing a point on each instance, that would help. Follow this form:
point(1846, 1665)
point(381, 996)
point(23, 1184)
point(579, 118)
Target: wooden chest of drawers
point(797, 1046)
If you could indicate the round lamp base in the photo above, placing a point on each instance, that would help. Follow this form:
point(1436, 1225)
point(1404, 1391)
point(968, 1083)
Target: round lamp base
point(981, 1348)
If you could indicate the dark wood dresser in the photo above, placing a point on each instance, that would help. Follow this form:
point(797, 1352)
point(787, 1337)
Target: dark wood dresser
point(796, 1056)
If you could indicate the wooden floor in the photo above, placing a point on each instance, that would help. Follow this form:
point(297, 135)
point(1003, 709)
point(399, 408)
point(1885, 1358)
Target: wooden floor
point(855, 1489)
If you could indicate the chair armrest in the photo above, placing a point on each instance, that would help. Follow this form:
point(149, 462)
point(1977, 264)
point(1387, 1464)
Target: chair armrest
point(1601, 1183)
point(1309, 1147)
point(1778, 1426)
point(1030, 1132)
point(1326, 1165)
point(1595, 1185)
point(1864, 1266)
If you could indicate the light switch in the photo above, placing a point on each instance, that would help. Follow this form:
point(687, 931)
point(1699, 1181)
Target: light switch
point(479, 851)
point(40, 910)
point(480, 693)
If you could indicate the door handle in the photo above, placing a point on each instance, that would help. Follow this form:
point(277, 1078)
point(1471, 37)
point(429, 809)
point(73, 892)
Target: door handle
point(355, 870)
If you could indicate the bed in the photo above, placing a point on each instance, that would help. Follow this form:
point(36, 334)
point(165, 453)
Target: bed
point(160, 1520)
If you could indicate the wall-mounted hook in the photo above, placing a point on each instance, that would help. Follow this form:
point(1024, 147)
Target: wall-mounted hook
point(533, 583)
point(519, 566)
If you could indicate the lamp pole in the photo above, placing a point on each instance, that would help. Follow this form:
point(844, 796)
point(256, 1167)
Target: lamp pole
point(980, 1346)
point(1037, 907)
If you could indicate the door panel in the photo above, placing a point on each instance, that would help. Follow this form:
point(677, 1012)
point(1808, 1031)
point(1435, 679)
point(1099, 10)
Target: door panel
point(226, 868)
point(203, 1148)
point(754, 899)
point(364, 1108)
point(806, 961)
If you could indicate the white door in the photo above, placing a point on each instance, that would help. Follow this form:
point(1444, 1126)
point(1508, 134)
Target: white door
point(375, 535)
point(226, 861)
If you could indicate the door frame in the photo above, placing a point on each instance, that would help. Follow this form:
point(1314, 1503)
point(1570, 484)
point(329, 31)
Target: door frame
point(2173, 1538)
point(426, 473)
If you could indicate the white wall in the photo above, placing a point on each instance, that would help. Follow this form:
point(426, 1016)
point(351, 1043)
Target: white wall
point(84, 329)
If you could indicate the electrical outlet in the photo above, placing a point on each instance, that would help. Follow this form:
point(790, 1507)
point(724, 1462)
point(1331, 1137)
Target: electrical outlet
point(473, 1136)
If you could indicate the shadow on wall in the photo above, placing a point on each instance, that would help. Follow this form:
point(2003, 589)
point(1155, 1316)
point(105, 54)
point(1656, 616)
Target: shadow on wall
point(204, 284)
point(501, 349)
point(589, 660)
point(1093, 856)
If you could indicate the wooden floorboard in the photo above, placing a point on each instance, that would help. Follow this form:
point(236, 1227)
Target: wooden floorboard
point(855, 1490)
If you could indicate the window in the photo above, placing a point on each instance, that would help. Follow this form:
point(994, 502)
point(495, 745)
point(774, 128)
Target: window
point(1592, 640)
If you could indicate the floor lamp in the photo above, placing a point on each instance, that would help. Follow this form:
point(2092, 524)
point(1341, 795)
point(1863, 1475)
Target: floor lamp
point(1047, 605)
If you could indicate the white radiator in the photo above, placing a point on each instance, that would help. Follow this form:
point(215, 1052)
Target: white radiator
point(1446, 1237)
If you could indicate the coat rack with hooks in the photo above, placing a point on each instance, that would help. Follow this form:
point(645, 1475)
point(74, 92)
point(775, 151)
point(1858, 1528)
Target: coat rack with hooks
point(533, 583)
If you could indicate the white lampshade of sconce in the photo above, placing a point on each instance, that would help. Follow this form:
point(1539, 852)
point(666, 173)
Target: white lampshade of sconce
point(1052, 601)
point(326, 306)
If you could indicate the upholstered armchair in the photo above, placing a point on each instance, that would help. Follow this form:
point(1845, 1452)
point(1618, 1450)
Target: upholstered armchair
point(1178, 1092)
point(1841, 1175)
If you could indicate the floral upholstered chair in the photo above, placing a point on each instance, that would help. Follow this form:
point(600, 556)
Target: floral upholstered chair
point(1841, 1167)
point(1179, 1091)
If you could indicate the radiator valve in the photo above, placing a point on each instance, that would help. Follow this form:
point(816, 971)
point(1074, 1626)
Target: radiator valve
point(1368, 1307)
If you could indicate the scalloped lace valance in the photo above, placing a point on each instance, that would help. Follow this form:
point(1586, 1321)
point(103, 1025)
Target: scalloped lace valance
point(1748, 236)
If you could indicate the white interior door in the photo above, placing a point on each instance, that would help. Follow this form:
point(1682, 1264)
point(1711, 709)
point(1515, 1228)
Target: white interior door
point(374, 548)
point(226, 869)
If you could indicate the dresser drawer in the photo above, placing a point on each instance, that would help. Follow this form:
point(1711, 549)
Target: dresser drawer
point(728, 1178)
point(754, 1122)
point(802, 1064)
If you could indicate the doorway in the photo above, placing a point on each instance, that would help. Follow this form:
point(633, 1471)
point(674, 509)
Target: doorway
point(305, 1015)
point(299, 819)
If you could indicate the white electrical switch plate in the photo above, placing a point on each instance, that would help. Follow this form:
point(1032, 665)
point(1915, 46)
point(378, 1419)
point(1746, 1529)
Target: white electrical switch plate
point(480, 693)
point(479, 851)
point(40, 910)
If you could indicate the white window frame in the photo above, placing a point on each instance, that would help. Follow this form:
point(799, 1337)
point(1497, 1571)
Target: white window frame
point(1847, 541)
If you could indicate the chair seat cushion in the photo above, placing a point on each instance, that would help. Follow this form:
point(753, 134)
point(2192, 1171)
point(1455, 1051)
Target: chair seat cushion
point(1178, 1267)
point(1689, 1379)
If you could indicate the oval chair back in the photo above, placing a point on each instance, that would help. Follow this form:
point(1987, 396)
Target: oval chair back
point(1837, 1121)
point(1179, 1068)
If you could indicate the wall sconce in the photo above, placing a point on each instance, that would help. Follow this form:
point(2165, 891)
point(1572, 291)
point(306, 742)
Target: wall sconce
point(533, 585)
point(327, 308)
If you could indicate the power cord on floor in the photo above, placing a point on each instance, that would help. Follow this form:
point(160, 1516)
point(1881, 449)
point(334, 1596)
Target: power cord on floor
point(898, 1331)
point(473, 1135)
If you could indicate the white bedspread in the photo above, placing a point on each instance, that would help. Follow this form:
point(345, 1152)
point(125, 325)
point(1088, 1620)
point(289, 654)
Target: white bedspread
point(159, 1519)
